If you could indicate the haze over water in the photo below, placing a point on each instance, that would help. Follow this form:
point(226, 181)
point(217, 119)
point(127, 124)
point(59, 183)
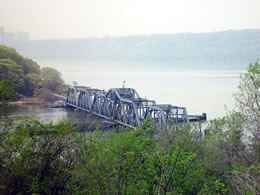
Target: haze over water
point(200, 90)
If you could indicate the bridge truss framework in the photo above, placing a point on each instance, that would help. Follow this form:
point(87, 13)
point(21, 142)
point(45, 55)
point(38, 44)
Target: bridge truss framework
point(124, 106)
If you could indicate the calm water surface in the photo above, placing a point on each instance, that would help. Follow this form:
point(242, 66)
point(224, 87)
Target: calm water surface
point(199, 90)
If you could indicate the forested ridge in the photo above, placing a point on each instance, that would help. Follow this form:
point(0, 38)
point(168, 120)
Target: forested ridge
point(38, 158)
point(232, 45)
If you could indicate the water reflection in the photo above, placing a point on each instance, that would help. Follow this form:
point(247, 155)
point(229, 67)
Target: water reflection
point(84, 120)
point(42, 112)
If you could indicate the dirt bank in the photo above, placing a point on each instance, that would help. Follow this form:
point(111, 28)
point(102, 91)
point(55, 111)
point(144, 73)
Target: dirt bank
point(27, 100)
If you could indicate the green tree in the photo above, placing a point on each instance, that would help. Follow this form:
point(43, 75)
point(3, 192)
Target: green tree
point(29, 66)
point(235, 139)
point(33, 82)
point(52, 79)
point(10, 54)
point(248, 99)
point(10, 70)
point(25, 74)
point(13, 65)
point(144, 161)
point(7, 94)
point(37, 158)
point(51, 74)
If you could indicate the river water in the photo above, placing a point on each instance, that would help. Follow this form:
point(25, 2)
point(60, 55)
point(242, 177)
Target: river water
point(199, 89)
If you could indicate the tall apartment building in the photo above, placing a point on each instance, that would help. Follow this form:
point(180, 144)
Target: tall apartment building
point(2, 30)
point(9, 37)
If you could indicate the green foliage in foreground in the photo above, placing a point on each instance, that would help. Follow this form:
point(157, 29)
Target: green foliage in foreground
point(47, 158)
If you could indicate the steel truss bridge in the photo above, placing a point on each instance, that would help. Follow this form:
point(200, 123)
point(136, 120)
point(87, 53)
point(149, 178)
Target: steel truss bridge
point(124, 106)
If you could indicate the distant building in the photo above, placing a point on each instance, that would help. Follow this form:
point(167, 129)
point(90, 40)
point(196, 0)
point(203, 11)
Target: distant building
point(21, 36)
point(9, 37)
point(2, 31)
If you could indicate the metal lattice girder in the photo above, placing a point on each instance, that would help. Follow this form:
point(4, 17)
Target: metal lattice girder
point(124, 106)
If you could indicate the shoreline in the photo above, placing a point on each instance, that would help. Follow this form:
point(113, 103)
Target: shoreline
point(27, 100)
point(37, 100)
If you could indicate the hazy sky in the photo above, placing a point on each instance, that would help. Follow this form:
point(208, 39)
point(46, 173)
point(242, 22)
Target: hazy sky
point(46, 19)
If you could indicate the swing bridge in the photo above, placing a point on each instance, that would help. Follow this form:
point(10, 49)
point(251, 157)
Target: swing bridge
point(124, 106)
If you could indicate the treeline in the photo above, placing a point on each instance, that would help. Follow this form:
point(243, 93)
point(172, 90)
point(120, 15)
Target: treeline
point(25, 75)
point(224, 46)
point(38, 158)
